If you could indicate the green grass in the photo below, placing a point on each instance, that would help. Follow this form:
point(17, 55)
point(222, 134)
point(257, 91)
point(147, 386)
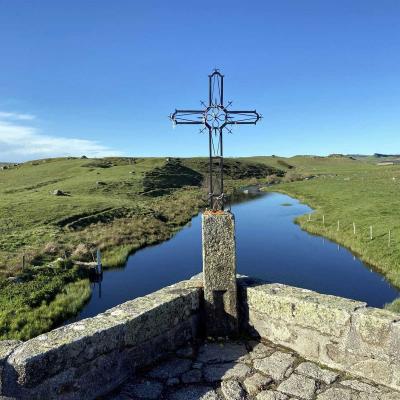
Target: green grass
point(394, 306)
point(118, 205)
point(39, 299)
point(26, 322)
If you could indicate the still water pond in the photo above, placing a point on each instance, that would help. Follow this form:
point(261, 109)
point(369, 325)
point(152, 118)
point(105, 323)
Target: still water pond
point(269, 246)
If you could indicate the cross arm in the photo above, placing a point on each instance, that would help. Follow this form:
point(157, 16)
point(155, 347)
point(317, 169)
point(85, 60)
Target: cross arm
point(242, 117)
point(187, 117)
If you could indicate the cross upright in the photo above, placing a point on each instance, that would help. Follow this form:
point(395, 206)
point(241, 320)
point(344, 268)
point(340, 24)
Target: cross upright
point(215, 117)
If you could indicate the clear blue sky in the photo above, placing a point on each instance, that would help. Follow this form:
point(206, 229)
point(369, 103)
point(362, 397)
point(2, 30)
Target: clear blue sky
point(100, 77)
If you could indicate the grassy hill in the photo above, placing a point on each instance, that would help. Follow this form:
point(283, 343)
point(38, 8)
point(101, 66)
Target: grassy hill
point(69, 207)
point(57, 211)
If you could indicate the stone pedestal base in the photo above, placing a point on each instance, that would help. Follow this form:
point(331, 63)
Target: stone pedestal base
point(219, 273)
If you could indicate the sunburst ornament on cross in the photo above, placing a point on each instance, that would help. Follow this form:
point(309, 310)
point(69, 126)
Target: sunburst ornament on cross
point(215, 117)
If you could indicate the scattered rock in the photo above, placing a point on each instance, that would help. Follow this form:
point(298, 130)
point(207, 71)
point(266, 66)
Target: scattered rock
point(390, 396)
point(192, 376)
point(271, 395)
point(194, 393)
point(6, 348)
point(232, 390)
point(280, 375)
point(219, 372)
point(314, 371)
point(185, 352)
point(15, 279)
point(366, 396)
point(298, 385)
point(275, 365)
point(221, 352)
point(256, 382)
point(170, 369)
point(59, 192)
point(360, 386)
point(150, 390)
point(335, 394)
point(260, 350)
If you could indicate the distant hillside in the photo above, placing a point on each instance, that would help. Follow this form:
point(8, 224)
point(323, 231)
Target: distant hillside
point(379, 155)
point(51, 206)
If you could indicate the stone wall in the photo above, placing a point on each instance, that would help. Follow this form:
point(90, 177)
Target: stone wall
point(91, 357)
point(339, 333)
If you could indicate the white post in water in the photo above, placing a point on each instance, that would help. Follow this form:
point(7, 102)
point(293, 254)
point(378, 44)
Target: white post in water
point(219, 273)
point(99, 265)
point(354, 228)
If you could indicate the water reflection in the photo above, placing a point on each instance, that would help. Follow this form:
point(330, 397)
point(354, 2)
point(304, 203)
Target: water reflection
point(269, 246)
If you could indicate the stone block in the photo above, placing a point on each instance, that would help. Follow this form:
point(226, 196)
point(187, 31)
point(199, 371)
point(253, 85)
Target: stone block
point(324, 313)
point(214, 353)
point(376, 370)
point(219, 273)
point(6, 348)
point(395, 343)
point(66, 362)
point(305, 341)
point(232, 390)
point(255, 383)
point(220, 372)
point(271, 395)
point(194, 393)
point(372, 332)
point(299, 386)
point(336, 394)
point(275, 365)
point(314, 371)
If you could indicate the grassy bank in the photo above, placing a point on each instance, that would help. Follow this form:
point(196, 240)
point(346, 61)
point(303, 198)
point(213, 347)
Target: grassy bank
point(38, 300)
point(67, 208)
point(352, 191)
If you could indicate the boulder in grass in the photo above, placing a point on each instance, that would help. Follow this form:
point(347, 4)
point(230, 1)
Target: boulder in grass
point(59, 192)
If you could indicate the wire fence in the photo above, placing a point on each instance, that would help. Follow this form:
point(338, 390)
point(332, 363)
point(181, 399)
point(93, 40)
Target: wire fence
point(360, 231)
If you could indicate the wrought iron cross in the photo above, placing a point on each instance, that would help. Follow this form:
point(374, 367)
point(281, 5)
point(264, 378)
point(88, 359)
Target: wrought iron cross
point(215, 117)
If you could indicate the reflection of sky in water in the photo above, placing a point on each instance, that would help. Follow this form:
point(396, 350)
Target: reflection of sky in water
point(269, 246)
